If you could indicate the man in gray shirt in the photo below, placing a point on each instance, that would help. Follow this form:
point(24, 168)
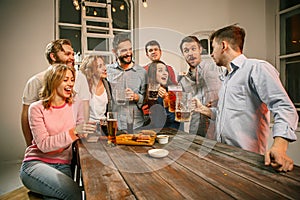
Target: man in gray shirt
point(203, 81)
point(125, 75)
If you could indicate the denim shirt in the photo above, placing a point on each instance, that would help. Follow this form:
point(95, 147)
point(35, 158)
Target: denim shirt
point(134, 78)
point(203, 82)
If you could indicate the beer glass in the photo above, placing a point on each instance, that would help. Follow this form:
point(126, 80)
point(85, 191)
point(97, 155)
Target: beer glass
point(183, 107)
point(120, 96)
point(112, 126)
point(153, 91)
point(172, 90)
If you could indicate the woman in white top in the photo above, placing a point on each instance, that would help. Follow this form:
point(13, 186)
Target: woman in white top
point(94, 68)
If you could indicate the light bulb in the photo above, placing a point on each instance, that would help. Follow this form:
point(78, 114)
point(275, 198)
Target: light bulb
point(122, 7)
point(95, 12)
point(145, 4)
point(113, 9)
point(75, 3)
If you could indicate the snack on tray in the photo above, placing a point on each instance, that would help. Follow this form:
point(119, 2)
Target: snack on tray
point(143, 138)
point(148, 132)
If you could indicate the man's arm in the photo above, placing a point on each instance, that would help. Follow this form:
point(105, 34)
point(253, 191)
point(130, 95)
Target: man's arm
point(25, 125)
point(276, 156)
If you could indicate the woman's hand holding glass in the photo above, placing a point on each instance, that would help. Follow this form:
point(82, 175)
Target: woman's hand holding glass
point(82, 130)
point(162, 92)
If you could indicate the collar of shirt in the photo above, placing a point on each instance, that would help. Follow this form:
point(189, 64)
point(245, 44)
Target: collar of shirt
point(237, 63)
point(117, 66)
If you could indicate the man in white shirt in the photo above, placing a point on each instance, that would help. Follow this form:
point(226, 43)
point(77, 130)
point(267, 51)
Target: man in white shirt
point(57, 51)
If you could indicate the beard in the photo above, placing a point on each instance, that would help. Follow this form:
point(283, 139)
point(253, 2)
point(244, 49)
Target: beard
point(123, 60)
point(66, 62)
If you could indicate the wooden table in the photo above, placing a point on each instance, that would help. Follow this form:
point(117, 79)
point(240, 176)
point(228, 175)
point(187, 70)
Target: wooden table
point(196, 168)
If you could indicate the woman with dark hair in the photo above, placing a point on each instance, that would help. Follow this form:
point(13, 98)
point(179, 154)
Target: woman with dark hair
point(56, 121)
point(159, 114)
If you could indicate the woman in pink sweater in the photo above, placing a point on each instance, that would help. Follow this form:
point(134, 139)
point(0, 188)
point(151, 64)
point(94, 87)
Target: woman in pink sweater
point(55, 122)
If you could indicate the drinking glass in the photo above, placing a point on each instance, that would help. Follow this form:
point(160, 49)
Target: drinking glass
point(120, 96)
point(112, 127)
point(183, 106)
point(172, 90)
point(153, 91)
point(130, 119)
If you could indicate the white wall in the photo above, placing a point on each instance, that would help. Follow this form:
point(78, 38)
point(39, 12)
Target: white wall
point(182, 18)
point(26, 28)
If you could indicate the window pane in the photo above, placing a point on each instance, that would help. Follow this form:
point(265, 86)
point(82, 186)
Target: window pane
point(293, 34)
point(120, 14)
point(68, 13)
point(284, 4)
point(97, 44)
point(293, 80)
point(73, 35)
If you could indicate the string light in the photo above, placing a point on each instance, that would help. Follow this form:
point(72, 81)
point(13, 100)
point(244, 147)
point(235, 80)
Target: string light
point(145, 3)
point(122, 7)
point(113, 9)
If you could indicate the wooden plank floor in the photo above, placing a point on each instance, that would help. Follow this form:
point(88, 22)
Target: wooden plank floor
point(21, 193)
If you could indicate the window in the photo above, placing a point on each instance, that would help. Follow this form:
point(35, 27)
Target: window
point(289, 22)
point(91, 24)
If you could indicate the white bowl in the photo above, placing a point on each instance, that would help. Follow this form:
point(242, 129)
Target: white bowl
point(162, 139)
point(158, 153)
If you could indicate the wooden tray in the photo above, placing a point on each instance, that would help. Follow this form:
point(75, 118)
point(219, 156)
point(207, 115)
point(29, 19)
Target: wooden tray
point(127, 141)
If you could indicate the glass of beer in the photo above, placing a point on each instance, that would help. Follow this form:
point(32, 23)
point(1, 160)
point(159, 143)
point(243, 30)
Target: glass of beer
point(153, 91)
point(112, 127)
point(120, 96)
point(172, 90)
point(183, 106)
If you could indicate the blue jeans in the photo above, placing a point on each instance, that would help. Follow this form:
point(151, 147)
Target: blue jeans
point(53, 181)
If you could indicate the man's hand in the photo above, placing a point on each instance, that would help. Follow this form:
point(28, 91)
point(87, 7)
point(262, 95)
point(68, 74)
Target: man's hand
point(276, 156)
point(197, 106)
point(130, 95)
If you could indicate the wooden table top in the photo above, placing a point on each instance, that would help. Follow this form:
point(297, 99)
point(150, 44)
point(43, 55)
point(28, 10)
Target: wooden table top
point(196, 168)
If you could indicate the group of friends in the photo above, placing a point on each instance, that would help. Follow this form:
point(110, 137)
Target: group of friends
point(232, 100)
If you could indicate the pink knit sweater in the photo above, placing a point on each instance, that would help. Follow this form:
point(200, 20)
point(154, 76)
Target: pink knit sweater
point(53, 132)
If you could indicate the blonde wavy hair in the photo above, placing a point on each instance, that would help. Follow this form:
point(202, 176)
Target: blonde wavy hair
point(53, 77)
point(86, 69)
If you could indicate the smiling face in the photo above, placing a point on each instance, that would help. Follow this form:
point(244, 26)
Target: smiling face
point(65, 88)
point(192, 53)
point(99, 68)
point(153, 52)
point(124, 52)
point(66, 56)
point(162, 74)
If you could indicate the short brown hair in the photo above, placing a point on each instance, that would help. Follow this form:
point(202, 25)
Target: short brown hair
point(190, 38)
point(119, 39)
point(233, 34)
point(54, 47)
